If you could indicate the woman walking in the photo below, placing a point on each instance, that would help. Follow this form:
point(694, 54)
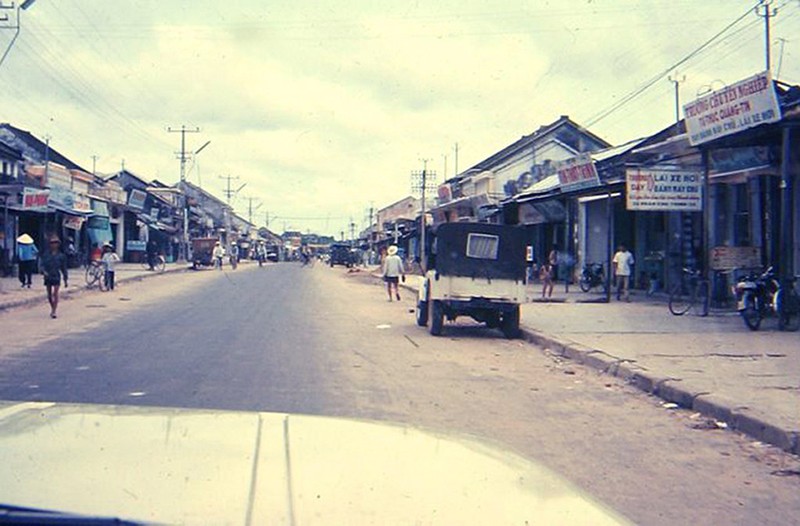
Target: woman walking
point(53, 264)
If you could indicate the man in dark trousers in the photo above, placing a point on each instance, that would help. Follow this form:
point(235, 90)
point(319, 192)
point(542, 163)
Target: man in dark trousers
point(152, 251)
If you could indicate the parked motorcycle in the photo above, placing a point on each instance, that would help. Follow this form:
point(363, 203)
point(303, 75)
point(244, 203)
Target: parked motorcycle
point(761, 295)
point(593, 275)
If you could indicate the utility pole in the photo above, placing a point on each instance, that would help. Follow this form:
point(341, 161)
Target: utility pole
point(182, 154)
point(250, 208)
point(677, 81)
point(766, 14)
point(183, 157)
point(780, 58)
point(423, 181)
point(456, 161)
point(228, 192)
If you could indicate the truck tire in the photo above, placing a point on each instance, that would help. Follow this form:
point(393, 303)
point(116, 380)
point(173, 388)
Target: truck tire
point(422, 313)
point(437, 318)
point(510, 323)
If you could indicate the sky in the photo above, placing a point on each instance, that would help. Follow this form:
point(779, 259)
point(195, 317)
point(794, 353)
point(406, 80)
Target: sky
point(322, 109)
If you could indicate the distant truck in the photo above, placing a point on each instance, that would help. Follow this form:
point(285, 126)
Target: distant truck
point(341, 254)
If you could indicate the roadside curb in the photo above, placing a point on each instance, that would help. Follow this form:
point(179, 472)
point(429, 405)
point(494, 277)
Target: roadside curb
point(33, 300)
point(740, 418)
point(737, 417)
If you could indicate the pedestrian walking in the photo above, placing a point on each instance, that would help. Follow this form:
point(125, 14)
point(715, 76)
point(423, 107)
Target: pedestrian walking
point(218, 254)
point(623, 268)
point(109, 259)
point(27, 253)
point(393, 271)
point(546, 277)
point(553, 258)
point(53, 264)
point(152, 252)
point(234, 255)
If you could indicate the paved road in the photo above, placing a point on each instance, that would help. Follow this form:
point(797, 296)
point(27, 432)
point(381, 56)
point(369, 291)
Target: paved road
point(322, 341)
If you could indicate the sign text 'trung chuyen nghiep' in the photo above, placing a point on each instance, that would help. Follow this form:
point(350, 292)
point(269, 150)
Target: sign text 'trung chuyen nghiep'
point(748, 103)
point(663, 190)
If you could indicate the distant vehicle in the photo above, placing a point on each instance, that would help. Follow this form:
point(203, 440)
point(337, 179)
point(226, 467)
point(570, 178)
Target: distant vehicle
point(340, 254)
point(202, 248)
point(476, 270)
point(272, 253)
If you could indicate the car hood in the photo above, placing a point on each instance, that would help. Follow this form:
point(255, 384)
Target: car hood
point(180, 466)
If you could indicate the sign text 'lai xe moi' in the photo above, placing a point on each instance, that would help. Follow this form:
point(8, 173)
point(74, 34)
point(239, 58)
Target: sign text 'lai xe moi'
point(748, 103)
point(663, 190)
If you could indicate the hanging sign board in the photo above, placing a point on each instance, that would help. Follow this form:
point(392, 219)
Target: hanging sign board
point(73, 222)
point(663, 190)
point(577, 172)
point(729, 258)
point(746, 104)
point(36, 200)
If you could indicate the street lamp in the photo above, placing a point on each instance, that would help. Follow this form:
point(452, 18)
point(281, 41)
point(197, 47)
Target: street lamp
point(24, 6)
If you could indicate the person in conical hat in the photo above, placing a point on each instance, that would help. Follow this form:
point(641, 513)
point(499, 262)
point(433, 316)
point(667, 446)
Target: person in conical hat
point(27, 253)
point(392, 272)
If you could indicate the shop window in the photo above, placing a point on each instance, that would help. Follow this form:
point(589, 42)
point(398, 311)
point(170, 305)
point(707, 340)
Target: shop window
point(741, 217)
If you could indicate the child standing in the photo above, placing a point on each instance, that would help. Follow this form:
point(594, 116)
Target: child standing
point(546, 277)
point(109, 260)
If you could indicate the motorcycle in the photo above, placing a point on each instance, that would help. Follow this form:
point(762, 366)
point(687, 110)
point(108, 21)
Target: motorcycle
point(761, 295)
point(592, 275)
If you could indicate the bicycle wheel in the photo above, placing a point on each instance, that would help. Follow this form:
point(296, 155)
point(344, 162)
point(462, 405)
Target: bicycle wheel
point(101, 280)
point(91, 275)
point(703, 297)
point(679, 300)
point(160, 264)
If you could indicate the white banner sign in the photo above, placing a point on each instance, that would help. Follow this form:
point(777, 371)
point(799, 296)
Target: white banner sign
point(577, 172)
point(663, 190)
point(33, 199)
point(734, 108)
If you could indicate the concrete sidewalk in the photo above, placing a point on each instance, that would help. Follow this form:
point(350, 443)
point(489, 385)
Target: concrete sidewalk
point(12, 295)
point(748, 381)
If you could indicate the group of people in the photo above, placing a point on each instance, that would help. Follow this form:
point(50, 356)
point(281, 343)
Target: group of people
point(218, 254)
point(53, 264)
point(621, 267)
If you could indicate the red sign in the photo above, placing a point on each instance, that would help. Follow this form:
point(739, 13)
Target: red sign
point(577, 172)
point(35, 199)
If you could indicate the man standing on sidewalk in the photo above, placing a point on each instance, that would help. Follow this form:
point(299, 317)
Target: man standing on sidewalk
point(27, 254)
point(622, 266)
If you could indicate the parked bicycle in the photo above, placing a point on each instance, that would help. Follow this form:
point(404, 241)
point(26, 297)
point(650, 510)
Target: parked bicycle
point(593, 275)
point(159, 263)
point(95, 275)
point(693, 291)
point(762, 295)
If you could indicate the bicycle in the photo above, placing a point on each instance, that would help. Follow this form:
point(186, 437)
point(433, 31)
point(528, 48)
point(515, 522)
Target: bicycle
point(159, 263)
point(685, 295)
point(95, 274)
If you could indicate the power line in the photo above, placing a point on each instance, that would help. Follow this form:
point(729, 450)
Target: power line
point(647, 85)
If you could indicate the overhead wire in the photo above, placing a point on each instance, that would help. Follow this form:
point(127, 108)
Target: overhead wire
point(660, 76)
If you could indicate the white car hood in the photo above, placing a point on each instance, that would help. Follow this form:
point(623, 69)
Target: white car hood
point(180, 466)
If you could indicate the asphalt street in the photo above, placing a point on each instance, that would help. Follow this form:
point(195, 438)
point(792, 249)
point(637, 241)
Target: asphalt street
point(324, 341)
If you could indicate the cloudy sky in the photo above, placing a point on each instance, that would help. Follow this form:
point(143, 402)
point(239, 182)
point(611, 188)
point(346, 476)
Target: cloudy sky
point(323, 108)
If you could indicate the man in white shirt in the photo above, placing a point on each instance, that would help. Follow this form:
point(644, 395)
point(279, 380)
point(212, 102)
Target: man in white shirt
point(622, 266)
point(393, 270)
